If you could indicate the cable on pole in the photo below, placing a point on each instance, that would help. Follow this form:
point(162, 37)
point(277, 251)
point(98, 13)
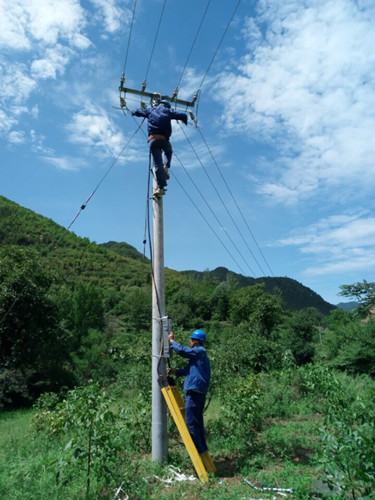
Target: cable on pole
point(147, 225)
point(238, 208)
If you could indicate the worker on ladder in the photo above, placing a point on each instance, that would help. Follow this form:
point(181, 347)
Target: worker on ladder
point(197, 373)
point(159, 131)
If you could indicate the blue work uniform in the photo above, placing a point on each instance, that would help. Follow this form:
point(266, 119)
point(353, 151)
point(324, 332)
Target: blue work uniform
point(198, 374)
point(159, 131)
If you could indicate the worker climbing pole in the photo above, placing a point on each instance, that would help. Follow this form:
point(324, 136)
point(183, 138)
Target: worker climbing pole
point(159, 115)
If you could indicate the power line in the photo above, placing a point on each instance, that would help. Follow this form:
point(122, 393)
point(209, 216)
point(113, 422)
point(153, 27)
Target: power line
point(192, 45)
point(156, 36)
point(220, 42)
point(130, 34)
point(203, 217)
point(222, 201)
point(238, 208)
point(83, 206)
point(217, 219)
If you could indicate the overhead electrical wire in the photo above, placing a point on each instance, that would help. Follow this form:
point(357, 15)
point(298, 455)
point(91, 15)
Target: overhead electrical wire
point(215, 216)
point(130, 34)
point(83, 206)
point(192, 45)
point(238, 208)
point(219, 44)
point(156, 36)
point(204, 218)
point(224, 205)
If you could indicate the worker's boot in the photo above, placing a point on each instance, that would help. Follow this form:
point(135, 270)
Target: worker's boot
point(158, 193)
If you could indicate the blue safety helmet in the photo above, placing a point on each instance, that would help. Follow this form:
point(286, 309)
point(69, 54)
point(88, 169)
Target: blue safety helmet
point(199, 335)
point(166, 103)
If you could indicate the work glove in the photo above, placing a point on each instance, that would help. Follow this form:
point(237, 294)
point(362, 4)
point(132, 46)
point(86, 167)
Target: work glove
point(132, 112)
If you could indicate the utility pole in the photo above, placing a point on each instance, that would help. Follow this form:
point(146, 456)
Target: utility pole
point(159, 407)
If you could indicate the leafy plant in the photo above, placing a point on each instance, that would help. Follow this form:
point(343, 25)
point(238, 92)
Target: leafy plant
point(241, 410)
point(348, 436)
point(93, 431)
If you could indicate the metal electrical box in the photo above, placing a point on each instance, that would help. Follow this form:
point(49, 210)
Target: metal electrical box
point(167, 329)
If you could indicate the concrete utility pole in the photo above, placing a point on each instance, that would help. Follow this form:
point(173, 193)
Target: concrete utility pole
point(159, 407)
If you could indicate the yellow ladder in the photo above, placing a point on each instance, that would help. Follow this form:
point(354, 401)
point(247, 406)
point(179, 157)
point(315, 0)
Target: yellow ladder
point(202, 462)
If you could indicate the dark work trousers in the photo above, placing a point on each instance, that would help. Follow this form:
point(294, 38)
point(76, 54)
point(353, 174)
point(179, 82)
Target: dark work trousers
point(194, 406)
point(157, 147)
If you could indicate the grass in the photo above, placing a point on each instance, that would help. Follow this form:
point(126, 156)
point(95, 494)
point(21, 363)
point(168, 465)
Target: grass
point(29, 464)
point(282, 455)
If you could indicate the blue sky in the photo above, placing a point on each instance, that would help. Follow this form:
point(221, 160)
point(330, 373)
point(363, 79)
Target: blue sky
point(287, 110)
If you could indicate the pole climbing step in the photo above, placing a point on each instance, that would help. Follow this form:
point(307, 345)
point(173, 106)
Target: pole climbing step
point(202, 463)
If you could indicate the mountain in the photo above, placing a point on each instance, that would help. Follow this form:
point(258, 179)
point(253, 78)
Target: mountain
point(294, 295)
point(347, 306)
point(125, 250)
point(68, 255)
point(113, 265)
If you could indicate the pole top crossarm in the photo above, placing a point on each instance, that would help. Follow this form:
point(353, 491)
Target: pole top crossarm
point(155, 97)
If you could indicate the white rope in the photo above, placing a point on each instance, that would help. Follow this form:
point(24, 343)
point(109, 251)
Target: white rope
point(279, 490)
point(118, 491)
point(176, 475)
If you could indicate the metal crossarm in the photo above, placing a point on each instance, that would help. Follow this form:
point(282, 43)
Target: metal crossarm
point(155, 97)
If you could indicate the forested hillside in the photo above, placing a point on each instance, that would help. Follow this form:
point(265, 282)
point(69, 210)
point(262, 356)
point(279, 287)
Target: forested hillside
point(294, 295)
point(114, 265)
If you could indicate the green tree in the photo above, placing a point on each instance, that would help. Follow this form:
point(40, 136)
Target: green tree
point(363, 292)
point(33, 345)
point(252, 304)
point(348, 435)
point(302, 333)
point(350, 346)
point(137, 308)
point(220, 301)
point(82, 309)
point(181, 306)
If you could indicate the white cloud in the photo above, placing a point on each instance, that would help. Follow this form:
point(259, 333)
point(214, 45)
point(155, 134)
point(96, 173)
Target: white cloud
point(53, 63)
point(95, 130)
point(43, 34)
point(6, 123)
point(112, 15)
point(24, 23)
point(307, 87)
point(15, 85)
point(16, 137)
point(40, 39)
point(63, 163)
point(339, 243)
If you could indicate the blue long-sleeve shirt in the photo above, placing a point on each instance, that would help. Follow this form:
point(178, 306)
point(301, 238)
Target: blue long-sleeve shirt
point(159, 119)
point(197, 371)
